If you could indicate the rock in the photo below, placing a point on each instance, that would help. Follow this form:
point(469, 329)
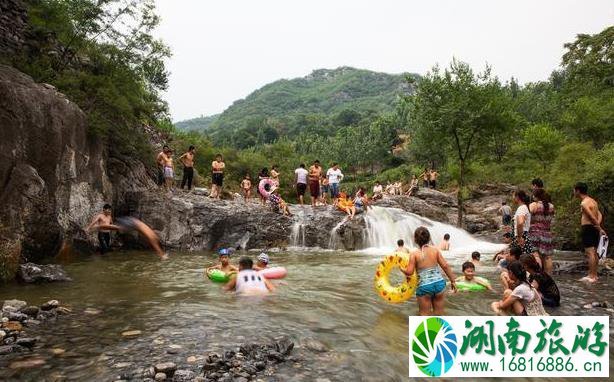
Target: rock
point(314, 345)
point(46, 315)
point(122, 365)
point(2, 334)
point(92, 311)
point(17, 316)
point(31, 311)
point(260, 365)
point(57, 351)
point(34, 273)
point(6, 349)
point(160, 377)
point(131, 333)
point(183, 376)
point(191, 359)
point(12, 326)
point(13, 305)
point(241, 379)
point(26, 342)
point(27, 363)
point(174, 349)
point(166, 368)
point(50, 305)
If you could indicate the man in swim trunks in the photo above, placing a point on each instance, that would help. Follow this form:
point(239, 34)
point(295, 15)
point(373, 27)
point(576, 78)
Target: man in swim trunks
point(433, 179)
point(591, 229)
point(169, 170)
point(128, 223)
point(217, 176)
point(104, 236)
point(300, 180)
point(248, 281)
point(315, 171)
point(187, 159)
point(160, 160)
point(425, 178)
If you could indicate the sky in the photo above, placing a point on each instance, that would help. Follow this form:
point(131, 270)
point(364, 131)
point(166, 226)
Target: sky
point(225, 49)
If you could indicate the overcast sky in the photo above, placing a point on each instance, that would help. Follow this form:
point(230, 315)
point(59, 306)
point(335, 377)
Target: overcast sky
point(225, 49)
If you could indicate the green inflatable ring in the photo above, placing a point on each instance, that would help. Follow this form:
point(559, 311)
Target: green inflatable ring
point(464, 286)
point(218, 276)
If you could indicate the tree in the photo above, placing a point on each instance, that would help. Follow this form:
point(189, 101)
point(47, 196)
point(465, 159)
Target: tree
point(540, 142)
point(457, 112)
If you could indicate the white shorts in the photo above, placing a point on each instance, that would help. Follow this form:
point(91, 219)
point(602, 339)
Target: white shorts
point(168, 172)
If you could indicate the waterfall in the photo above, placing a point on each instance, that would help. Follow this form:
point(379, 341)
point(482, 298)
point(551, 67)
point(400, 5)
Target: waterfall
point(387, 225)
point(334, 240)
point(297, 233)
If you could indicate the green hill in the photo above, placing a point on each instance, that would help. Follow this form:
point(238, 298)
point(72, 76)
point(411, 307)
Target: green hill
point(285, 108)
point(201, 123)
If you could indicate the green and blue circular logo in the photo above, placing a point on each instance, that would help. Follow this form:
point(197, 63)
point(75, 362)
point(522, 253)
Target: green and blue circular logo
point(434, 346)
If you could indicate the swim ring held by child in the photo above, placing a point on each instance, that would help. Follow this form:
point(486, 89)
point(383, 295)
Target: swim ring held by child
point(394, 293)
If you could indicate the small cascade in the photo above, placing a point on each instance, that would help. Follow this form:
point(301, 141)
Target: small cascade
point(387, 225)
point(334, 241)
point(297, 232)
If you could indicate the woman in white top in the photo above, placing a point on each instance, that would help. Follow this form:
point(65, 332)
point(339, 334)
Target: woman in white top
point(522, 222)
point(524, 300)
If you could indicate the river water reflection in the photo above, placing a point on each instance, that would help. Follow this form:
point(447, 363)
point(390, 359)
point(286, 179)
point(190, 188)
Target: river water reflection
point(328, 298)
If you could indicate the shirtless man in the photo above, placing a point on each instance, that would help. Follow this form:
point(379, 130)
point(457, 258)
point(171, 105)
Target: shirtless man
point(104, 235)
point(425, 178)
point(160, 159)
point(126, 224)
point(217, 176)
point(591, 229)
point(187, 159)
point(169, 170)
point(433, 178)
point(315, 171)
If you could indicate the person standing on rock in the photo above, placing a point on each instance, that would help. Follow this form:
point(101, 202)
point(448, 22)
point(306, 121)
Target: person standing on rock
point(426, 177)
point(542, 214)
point(522, 222)
point(506, 214)
point(104, 235)
point(335, 176)
point(300, 181)
point(217, 176)
point(160, 160)
point(315, 171)
point(169, 171)
point(591, 229)
point(433, 175)
point(187, 159)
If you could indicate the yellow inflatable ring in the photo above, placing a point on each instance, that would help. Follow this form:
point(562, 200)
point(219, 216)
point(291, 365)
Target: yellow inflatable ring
point(397, 293)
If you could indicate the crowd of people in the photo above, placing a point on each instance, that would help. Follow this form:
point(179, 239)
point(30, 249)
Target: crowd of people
point(525, 265)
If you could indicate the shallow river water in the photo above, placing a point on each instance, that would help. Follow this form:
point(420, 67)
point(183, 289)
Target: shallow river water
point(329, 298)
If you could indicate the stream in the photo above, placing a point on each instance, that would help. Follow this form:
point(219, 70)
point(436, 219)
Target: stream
point(329, 300)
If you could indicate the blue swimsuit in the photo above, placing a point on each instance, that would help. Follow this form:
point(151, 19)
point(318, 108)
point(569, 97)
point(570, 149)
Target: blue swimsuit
point(430, 282)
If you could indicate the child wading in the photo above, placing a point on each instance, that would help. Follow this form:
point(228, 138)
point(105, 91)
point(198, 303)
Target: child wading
point(431, 285)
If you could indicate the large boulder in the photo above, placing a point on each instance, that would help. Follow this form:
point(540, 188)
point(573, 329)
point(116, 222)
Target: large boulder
point(53, 173)
point(34, 273)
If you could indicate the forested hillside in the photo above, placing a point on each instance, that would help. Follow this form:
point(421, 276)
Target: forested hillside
point(343, 95)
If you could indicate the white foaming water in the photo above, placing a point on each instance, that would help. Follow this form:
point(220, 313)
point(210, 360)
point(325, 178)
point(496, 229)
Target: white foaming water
point(334, 240)
point(297, 233)
point(387, 225)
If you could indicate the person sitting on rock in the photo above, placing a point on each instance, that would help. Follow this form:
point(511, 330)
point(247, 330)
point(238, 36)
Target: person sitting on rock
point(344, 204)
point(224, 264)
point(278, 204)
point(262, 262)
point(514, 255)
point(248, 281)
point(445, 243)
point(501, 257)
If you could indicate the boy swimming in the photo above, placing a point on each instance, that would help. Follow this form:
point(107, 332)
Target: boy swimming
point(248, 281)
point(475, 258)
point(445, 243)
point(469, 275)
point(431, 286)
point(224, 264)
point(262, 262)
point(401, 246)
